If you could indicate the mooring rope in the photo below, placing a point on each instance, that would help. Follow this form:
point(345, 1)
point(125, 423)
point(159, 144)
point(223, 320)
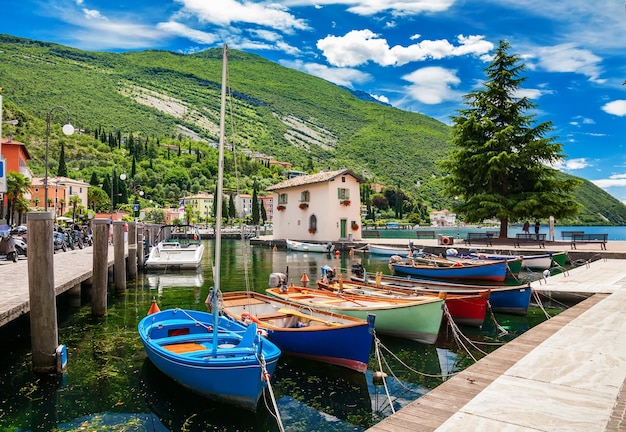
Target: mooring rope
point(502, 330)
point(273, 412)
point(380, 367)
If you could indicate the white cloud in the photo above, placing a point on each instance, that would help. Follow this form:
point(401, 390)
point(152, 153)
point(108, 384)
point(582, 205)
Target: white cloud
point(178, 29)
point(616, 180)
point(227, 12)
point(432, 85)
point(341, 76)
point(617, 107)
point(358, 47)
point(569, 58)
point(93, 14)
point(375, 7)
point(380, 98)
point(571, 164)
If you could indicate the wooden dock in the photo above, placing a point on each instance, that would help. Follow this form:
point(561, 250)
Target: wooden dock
point(71, 268)
point(566, 374)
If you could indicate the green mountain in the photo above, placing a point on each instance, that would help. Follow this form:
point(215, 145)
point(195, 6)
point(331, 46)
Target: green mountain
point(169, 102)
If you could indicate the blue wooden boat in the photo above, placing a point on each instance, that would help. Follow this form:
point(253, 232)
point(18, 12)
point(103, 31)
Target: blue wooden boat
point(305, 332)
point(210, 353)
point(228, 362)
point(514, 299)
point(489, 270)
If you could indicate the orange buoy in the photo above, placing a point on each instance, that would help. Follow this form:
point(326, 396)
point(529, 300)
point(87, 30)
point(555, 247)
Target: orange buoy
point(337, 253)
point(304, 279)
point(351, 252)
point(275, 248)
point(154, 308)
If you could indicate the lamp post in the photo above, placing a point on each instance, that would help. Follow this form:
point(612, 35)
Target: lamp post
point(113, 195)
point(67, 129)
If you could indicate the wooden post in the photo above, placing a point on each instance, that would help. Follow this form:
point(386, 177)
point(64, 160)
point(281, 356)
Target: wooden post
point(141, 256)
point(119, 258)
point(132, 250)
point(100, 267)
point(44, 333)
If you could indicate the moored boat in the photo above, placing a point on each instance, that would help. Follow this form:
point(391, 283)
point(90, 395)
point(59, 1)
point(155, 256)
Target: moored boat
point(309, 247)
point(465, 309)
point(230, 364)
point(209, 353)
point(384, 250)
point(514, 262)
point(179, 247)
point(418, 320)
point(305, 332)
point(488, 271)
point(507, 299)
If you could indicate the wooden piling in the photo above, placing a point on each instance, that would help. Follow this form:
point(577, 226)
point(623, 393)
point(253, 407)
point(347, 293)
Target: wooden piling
point(141, 255)
point(132, 250)
point(100, 267)
point(43, 315)
point(119, 259)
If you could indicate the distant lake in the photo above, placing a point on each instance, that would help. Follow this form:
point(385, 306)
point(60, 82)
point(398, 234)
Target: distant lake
point(614, 232)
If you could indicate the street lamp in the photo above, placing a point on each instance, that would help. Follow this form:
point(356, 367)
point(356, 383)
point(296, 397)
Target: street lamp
point(67, 129)
point(122, 177)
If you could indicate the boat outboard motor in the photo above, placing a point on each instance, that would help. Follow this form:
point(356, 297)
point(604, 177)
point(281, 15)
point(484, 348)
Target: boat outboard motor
point(277, 280)
point(330, 247)
point(358, 270)
point(411, 247)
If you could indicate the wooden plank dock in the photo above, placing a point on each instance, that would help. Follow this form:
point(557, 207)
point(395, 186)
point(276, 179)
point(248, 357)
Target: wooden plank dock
point(71, 268)
point(566, 374)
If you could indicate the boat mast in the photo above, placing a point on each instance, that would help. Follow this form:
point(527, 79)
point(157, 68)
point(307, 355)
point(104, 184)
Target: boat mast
point(218, 200)
point(220, 175)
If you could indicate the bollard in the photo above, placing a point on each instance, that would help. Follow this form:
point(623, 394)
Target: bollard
point(100, 267)
point(119, 259)
point(43, 315)
point(132, 250)
point(141, 257)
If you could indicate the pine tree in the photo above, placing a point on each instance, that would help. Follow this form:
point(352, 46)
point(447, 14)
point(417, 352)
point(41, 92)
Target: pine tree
point(498, 167)
point(62, 171)
point(255, 204)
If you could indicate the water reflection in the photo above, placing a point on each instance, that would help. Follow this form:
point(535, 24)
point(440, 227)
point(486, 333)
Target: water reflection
point(109, 377)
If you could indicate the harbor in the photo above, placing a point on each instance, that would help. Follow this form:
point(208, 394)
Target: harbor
point(590, 330)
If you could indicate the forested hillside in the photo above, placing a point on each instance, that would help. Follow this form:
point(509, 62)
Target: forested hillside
point(169, 104)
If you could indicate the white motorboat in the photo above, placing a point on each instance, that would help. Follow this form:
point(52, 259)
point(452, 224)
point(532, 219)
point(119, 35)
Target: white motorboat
point(181, 248)
point(310, 247)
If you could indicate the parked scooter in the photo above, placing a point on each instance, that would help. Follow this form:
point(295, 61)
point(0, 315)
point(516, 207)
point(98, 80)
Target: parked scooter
point(7, 247)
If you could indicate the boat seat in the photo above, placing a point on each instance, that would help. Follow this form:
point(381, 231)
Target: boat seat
point(183, 348)
point(275, 315)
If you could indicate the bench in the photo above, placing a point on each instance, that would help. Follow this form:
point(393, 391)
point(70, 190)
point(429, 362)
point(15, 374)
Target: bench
point(480, 237)
point(565, 235)
point(370, 234)
point(425, 234)
point(590, 238)
point(530, 238)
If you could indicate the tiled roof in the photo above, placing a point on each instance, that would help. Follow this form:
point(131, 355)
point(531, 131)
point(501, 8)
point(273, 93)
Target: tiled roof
point(313, 178)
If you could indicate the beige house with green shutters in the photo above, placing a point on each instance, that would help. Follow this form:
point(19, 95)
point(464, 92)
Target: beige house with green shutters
point(318, 207)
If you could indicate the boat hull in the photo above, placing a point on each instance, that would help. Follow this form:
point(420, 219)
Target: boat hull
point(468, 309)
point(181, 345)
point(317, 335)
point(162, 256)
point(418, 321)
point(493, 271)
point(389, 251)
point(513, 300)
point(309, 247)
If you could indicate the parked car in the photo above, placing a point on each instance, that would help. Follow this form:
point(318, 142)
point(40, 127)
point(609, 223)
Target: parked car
point(59, 241)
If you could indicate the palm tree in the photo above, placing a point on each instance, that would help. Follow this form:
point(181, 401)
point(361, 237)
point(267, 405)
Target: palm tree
point(17, 186)
point(74, 201)
point(22, 205)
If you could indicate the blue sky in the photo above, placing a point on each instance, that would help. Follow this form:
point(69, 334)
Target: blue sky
point(417, 55)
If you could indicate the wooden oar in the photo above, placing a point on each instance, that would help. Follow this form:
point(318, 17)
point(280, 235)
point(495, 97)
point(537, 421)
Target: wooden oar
point(303, 315)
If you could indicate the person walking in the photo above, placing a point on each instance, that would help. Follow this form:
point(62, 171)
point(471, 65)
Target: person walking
point(526, 227)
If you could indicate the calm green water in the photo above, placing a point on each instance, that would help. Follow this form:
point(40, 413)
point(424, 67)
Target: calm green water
point(111, 386)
